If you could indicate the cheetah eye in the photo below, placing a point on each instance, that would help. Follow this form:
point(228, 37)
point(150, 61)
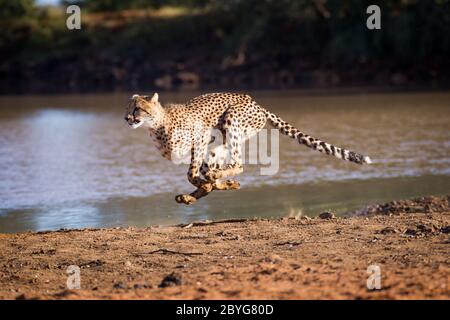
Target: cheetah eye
point(138, 108)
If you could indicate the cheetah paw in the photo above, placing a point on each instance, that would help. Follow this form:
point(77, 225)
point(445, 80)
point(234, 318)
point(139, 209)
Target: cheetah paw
point(185, 198)
point(227, 185)
point(233, 184)
point(213, 175)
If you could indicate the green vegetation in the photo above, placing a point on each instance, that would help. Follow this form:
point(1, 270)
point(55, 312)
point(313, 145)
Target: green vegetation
point(246, 43)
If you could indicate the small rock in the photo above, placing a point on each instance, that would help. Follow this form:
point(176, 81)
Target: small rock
point(295, 266)
point(387, 230)
point(119, 285)
point(171, 280)
point(273, 259)
point(423, 228)
point(137, 286)
point(445, 229)
point(326, 215)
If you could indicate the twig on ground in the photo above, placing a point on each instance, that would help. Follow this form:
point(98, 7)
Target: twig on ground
point(290, 243)
point(174, 252)
point(209, 222)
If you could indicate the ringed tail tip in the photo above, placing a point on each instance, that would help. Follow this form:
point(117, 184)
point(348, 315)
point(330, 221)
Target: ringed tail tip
point(367, 160)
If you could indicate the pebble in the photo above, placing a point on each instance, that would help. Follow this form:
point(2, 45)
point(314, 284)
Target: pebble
point(170, 280)
point(388, 230)
point(326, 215)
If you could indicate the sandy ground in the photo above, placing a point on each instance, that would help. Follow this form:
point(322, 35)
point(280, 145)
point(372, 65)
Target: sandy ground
point(290, 258)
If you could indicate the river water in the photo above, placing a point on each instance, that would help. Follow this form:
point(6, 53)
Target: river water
point(71, 161)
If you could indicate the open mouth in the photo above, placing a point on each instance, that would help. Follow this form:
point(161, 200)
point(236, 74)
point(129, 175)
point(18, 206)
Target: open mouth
point(136, 123)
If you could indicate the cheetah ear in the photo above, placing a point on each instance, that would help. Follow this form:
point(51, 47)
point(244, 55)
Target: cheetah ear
point(154, 98)
point(135, 96)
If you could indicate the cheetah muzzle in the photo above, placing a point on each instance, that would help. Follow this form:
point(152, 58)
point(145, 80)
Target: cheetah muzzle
point(186, 129)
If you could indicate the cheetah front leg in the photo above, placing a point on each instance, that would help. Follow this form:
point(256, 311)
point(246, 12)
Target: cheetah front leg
point(198, 153)
point(216, 160)
point(228, 164)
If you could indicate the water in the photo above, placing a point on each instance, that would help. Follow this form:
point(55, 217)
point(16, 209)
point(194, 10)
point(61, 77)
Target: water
point(71, 161)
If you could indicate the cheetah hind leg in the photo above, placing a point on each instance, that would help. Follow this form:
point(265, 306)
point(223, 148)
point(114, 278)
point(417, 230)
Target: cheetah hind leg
point(206, 189)
point(219, 167)
point(215, 160)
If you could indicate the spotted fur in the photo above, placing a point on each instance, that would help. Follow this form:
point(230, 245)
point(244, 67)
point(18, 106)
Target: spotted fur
point(183, 129)
point(314, 143)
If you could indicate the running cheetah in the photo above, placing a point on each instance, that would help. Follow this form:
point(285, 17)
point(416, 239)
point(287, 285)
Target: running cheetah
point(183, 129)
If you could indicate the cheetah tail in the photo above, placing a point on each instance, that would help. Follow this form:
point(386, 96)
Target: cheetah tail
point(314, 143)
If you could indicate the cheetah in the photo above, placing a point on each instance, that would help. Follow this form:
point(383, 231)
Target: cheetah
point(180, 129)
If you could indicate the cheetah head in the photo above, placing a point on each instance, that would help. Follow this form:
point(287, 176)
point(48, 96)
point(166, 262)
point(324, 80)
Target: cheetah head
point(140, 109)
